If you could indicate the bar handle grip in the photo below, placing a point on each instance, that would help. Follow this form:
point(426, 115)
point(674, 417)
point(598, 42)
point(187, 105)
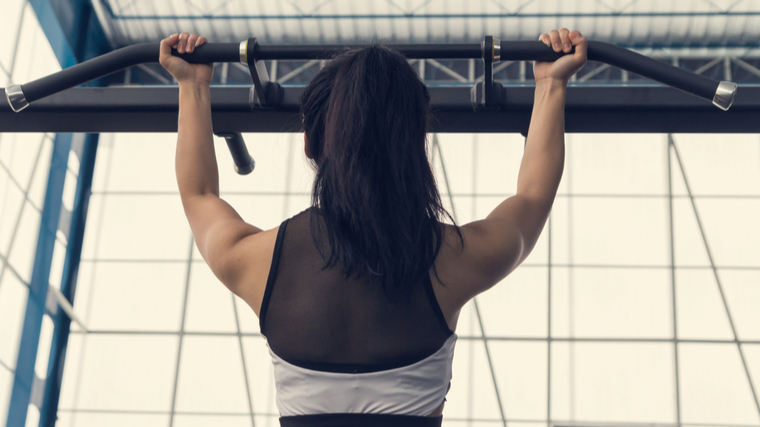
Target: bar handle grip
point(112, 62)
point(721, 93)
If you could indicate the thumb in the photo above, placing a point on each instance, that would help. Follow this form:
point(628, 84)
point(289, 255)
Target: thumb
point(165, 51)
point(581, 47)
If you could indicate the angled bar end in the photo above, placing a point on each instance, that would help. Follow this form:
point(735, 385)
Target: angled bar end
point(245, 169)
point(724, 95)
point(16, 98)
point(244, 163)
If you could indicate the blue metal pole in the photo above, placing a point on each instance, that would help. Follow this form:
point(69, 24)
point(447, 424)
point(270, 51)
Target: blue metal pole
point(49, 410)
point(26, 385)
point(74, 33)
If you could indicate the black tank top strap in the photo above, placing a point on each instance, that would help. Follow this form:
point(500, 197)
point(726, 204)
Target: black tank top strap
point(272, 275)
point(428, 284)
point(360, 420)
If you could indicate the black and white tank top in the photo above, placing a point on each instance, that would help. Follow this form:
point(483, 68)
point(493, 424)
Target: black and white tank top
point(339, 348)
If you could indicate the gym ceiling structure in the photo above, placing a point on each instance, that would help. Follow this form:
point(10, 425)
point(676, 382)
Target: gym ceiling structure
point(638, 306)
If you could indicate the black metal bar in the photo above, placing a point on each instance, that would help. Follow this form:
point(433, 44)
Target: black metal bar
point(486, 52)
point(485, 95)
point(264, 93)
point(21, 95)
point(259, 74)
point(411, 51)
point(244, 163)
point(608, 109)
point(659, 71)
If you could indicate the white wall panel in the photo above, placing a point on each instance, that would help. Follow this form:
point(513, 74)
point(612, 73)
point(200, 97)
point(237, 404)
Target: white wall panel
point(714, 386)
point(211, 376)
point(122, 372)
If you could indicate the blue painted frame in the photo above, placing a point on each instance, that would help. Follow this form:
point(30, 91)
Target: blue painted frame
point(75, 34)
point(25, 380)
point(51, 395)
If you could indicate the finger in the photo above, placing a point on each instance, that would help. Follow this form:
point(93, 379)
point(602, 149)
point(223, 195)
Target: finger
point(546, 39)
point(182, 42)
point(554, 35)
point(575, 37)
point(201, 41)
point(191, 43)
point(564, 37)
point(166, 48)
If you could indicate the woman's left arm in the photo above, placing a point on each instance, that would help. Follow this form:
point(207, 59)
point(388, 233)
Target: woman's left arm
point(218, 230)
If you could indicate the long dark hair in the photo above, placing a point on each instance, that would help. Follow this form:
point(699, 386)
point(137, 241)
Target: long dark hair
point(366, 115)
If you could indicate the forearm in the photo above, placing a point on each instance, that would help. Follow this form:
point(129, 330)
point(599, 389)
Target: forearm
point(195, 165)
point(544, 157)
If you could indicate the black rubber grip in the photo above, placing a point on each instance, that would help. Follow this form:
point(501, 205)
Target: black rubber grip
point(623, 58)
point(659, 71)
point(119, 59)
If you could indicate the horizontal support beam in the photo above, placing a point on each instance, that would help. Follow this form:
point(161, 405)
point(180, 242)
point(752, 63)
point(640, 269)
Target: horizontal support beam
point(605, 109)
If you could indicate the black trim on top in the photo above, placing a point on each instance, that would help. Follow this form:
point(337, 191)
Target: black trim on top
point(272, 274)
point(434, 303)
point(359, 368)
point(360, 420)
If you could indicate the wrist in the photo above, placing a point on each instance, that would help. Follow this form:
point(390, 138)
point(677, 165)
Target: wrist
point(552, 83)
point(193, 85)
point(194, 90)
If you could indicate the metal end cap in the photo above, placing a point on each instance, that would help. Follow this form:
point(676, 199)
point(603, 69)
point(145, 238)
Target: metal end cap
point(244, 52)
point(496, 50)
point(724, 95)
point(246, 169)
point(16, 98)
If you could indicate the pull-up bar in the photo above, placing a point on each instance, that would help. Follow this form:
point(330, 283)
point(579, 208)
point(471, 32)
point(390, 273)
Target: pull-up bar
point(492, 50)
point(265, 94)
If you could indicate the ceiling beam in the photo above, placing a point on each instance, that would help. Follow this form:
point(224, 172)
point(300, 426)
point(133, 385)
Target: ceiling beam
point(589, 108)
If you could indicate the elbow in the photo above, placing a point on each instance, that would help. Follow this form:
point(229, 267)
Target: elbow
point(518, 250)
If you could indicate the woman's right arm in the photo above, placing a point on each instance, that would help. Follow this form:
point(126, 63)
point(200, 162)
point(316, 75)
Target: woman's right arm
point(496, 245)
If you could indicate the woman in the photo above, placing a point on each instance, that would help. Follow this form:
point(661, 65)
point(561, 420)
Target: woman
point(359, 295)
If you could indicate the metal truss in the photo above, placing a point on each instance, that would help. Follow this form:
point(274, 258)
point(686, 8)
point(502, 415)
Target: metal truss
point(739, 65)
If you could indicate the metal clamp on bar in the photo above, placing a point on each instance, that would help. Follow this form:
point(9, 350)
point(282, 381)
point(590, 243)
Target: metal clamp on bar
point(487, 95)
point(264, 93)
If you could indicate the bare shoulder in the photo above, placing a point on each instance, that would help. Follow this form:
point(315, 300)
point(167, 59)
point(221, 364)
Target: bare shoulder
point(471, 261)
point(256, 253)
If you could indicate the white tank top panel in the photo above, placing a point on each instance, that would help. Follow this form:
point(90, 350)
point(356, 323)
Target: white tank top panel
point(416, 389)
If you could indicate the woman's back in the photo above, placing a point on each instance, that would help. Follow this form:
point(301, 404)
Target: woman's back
point(326, 331)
